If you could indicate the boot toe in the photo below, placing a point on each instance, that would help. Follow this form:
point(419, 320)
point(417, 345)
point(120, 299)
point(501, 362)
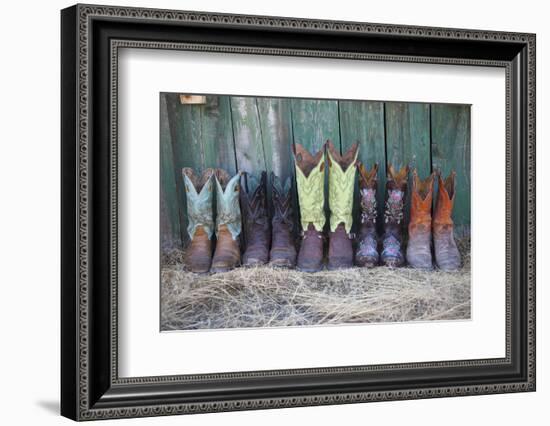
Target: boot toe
point(339, 263)
point(366, 261)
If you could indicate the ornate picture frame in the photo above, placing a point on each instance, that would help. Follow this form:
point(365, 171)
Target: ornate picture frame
point(91, 37)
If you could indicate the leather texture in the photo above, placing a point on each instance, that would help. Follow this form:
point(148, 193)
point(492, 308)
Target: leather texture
point(227, 254)
point(341, 177)
point(341, 184)
point(419, 252)
point(283, 250)
point(227, 202)
point(447, 256)
point(199, 195)
point(257, 233)
point(310, 179)
point(367, 242)
point(396, 189)
point(310, 256)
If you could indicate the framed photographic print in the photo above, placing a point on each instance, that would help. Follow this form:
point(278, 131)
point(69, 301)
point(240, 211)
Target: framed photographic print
point(263, 212)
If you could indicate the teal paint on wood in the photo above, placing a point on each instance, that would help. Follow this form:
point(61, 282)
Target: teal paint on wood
point(217, 134)
point(451, 151)
point(363, 122)
point(408, 139)
point(314, 122)
point(276, 129)
point(170, 231)
point(247, 135)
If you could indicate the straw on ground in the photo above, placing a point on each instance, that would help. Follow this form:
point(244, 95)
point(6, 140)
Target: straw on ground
point(264, 296)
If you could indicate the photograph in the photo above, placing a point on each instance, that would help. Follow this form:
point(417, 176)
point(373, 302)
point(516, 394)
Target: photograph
point(278, 212)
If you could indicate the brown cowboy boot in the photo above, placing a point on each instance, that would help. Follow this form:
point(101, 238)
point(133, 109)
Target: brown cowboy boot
point(341, 179)
point(310, 180)
point(396, 190)
point(256, 221)
point(228, 222)
point(283, 251)
point(367, 243)
point(447, 257)
point(198, 192)
point(419, 252)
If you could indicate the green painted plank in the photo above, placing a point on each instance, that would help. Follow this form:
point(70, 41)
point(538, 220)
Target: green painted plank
point(408, 138)
point(276, 127)
point(314, 121)
point(247, 135)
point(363, 122)
point(276, 131)
point(451, 151)
point(170, 232)
point(217, 134)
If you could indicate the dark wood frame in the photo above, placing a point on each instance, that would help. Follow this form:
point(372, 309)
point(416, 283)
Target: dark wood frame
point(91, 37)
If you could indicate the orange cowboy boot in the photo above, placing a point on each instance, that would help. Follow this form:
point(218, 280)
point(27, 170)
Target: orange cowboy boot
point(419, 252)
point(447, 257)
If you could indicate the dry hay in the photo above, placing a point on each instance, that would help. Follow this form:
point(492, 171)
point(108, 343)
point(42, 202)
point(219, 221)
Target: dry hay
point(269, 297)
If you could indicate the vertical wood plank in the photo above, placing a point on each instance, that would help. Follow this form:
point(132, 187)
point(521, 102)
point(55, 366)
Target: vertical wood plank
point(451, 151)
point(408, 138)
point(314, 121)
point(247, 135)
point(363, 122)
point(170, 232)
point(217, 134)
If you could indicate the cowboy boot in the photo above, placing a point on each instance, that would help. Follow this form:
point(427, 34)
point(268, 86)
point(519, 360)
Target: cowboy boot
point(341, 179)
point(228, 222)
point(447, 257)
point(367, 250)
point(310, 180)
point(256, 221)
point(199, 194)
point(396, 189)
point(283, 251)
point(419, 252)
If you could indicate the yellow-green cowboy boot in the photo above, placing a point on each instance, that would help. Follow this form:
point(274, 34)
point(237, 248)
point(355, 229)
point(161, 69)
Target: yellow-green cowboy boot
point(199, 194)
point(310, 180)
point(341, 183)
point(228, 222)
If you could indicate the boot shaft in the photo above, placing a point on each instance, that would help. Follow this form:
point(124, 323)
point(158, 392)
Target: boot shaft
point(421, 200)
point(253, 195)
point(368, 183)
point(445, 200)
point(281, 193)
point(199, 192)
point(227, 203)
point(310, 180)
point(342, 171)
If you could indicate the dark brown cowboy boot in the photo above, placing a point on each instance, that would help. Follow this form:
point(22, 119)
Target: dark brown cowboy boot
point(419, 247)
point(310, 180)
point(447, 257)
point(228, 222)
point(283, 251)
point(256, 222)
point(341, 179)
point(367, 243)
point(396, 190)
point(199, 195)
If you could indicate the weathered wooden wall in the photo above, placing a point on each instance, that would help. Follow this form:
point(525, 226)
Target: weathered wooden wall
point(253, 134)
